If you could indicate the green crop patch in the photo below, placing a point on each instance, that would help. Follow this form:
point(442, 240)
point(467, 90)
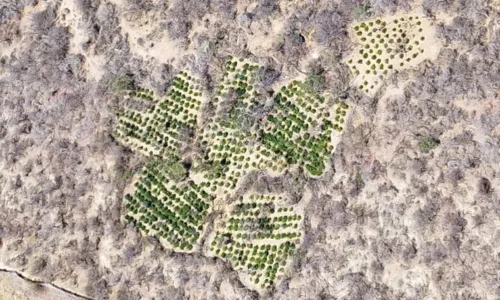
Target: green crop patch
point(194, 164)
point(300, 128)
point(230, 138)
point(259, 238)
point(158, 131)
point(174, 211)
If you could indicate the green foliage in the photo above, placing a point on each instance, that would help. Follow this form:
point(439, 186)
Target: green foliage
point(314, 83)
point(400, 38)
point(361, 11)
point(258, 238)
point(159, 131)
point(126, 174)
point(168, 204)
point(296, 113)
point(122, 83)
point(173, 168)
point(174, 211)
point(427, 144)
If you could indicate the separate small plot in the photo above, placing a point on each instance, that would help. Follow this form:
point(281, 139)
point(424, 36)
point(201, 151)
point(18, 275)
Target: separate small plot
point(389, 45)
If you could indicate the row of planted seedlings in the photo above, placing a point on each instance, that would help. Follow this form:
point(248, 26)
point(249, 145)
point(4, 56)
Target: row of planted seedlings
point(156, 132)
point(341, 110)
point(184, 99)
point(135, 130)
point(227, 138)
point(385, 46)
point(173, 211)
point(143, 94)
point(258, 238)
point(299, 128)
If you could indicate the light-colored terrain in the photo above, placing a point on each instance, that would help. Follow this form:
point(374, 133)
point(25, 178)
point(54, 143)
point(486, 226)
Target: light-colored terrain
point(14, 287)
point(408, 210)
point(391, 44)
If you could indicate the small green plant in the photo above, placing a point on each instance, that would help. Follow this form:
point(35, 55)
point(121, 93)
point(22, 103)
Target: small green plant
point(122, 83)
point(360, 11)
point(314, 83)
point(427, 144)
point(126, 174)
point(359, 182)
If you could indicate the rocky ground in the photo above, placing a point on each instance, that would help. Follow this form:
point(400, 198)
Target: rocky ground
point(409, 210)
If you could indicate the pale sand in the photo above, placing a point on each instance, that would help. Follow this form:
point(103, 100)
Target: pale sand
point(13, 287)
point(372, 82)
point(157, 44)
point(69, 16)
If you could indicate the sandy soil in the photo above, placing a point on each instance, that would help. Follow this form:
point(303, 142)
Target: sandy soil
point(348, 232)
point(431, 46)
point(146, 39)
point(13, 287)
point(70, 16)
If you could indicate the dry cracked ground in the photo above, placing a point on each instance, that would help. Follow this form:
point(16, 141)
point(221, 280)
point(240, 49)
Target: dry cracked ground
point(408, 209)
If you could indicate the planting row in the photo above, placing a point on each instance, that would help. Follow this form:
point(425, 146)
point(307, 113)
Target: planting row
point(174, 211)
point(258, 238)
point(162, 129)
point(144, 94)
point(384, 47)
point(299, 128)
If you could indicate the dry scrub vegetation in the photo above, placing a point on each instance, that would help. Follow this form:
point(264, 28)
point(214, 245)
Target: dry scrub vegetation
point(408, 209)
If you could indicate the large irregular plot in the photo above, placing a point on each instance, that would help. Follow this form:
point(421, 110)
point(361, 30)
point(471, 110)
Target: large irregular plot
point(162, 129)
point(230, 137)
point(388, 45)
point(168, 205)
point(258, 235)
point(300, 128)
point(258, 238)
